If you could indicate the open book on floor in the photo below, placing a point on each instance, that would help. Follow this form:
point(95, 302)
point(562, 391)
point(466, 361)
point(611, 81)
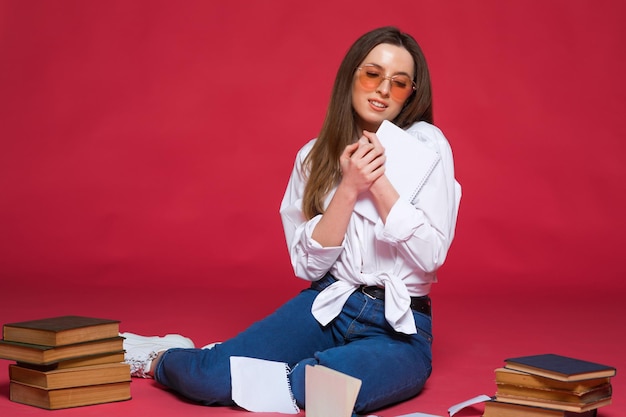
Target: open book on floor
point(329, 393)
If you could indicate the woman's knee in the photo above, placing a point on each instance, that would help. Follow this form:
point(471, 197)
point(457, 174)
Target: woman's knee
point(196, 374)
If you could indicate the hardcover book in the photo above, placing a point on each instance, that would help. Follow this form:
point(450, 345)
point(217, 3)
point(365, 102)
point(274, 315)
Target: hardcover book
point(58, 331)
point(559, 367)
point(115, 357)
point(500, 409)
point(46, 355)
point(577, 398)
point(55, 399)
point(71, 377)
point(524, 379)
point(557, 405)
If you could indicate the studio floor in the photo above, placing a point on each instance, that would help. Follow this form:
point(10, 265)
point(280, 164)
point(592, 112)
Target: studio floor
point(146, 146)
point(474, 333)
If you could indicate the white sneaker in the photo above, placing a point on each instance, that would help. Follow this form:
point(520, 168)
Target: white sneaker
point(139, 351)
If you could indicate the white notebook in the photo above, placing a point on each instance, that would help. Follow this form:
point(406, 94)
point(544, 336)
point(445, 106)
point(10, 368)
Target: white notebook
point(409, 163)
point(261, 386)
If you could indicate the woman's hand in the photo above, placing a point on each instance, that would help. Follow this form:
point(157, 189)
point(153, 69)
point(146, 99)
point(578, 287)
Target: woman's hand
point(383, 192)
point(362, 163)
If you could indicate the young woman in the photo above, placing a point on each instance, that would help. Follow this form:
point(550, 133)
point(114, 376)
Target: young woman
point(367, 312)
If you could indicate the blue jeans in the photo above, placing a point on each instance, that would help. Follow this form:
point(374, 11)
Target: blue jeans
point(392, 366)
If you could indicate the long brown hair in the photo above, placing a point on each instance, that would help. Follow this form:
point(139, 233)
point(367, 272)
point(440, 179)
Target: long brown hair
point(340, 129)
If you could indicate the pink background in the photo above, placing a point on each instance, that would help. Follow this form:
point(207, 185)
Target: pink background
point(145, 146)
point(152, 140)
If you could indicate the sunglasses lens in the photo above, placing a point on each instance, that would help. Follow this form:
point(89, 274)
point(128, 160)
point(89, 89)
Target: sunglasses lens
point(400, 82)
point(401, 87)
point(371, 77)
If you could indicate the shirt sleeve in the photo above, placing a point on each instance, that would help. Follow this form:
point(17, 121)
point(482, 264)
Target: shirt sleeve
point(309, 259)
point(423, 230)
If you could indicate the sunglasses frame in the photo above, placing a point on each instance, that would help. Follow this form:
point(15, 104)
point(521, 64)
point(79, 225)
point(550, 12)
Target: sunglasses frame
point(403, 92)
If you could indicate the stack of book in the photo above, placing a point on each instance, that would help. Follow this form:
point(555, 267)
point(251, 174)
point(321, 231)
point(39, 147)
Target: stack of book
point(64, 362)
point(550, 385)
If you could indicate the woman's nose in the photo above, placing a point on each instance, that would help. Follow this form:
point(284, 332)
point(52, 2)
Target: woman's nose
point(384, 87)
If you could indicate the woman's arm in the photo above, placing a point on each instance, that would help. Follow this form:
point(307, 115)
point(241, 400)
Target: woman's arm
point(362, 163)
point(309, 259)
point(315, 244)
point(383, 192)
point(423, 230)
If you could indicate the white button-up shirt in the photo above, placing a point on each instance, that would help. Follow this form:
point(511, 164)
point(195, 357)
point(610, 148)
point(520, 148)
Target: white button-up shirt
point(401, 255)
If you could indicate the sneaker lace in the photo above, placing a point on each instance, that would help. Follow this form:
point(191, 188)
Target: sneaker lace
point(139, 366)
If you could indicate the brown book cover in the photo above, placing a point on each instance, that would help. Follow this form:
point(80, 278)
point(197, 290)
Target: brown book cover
point(55, 399)
point(45, 355)
point(58, 331)
point(500, 409)
point(559, 367)
point(115, 357)
point(513, 377)
point(71, 377)
point(578, 398)
point(557, 405)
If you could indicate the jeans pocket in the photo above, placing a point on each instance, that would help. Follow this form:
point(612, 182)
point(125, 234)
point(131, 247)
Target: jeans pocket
point(426, 335)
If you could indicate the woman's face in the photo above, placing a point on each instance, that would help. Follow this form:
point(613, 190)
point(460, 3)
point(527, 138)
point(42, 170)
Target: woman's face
point(375, 102)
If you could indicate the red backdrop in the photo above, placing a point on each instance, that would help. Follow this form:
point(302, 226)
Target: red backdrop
point(152, 140)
